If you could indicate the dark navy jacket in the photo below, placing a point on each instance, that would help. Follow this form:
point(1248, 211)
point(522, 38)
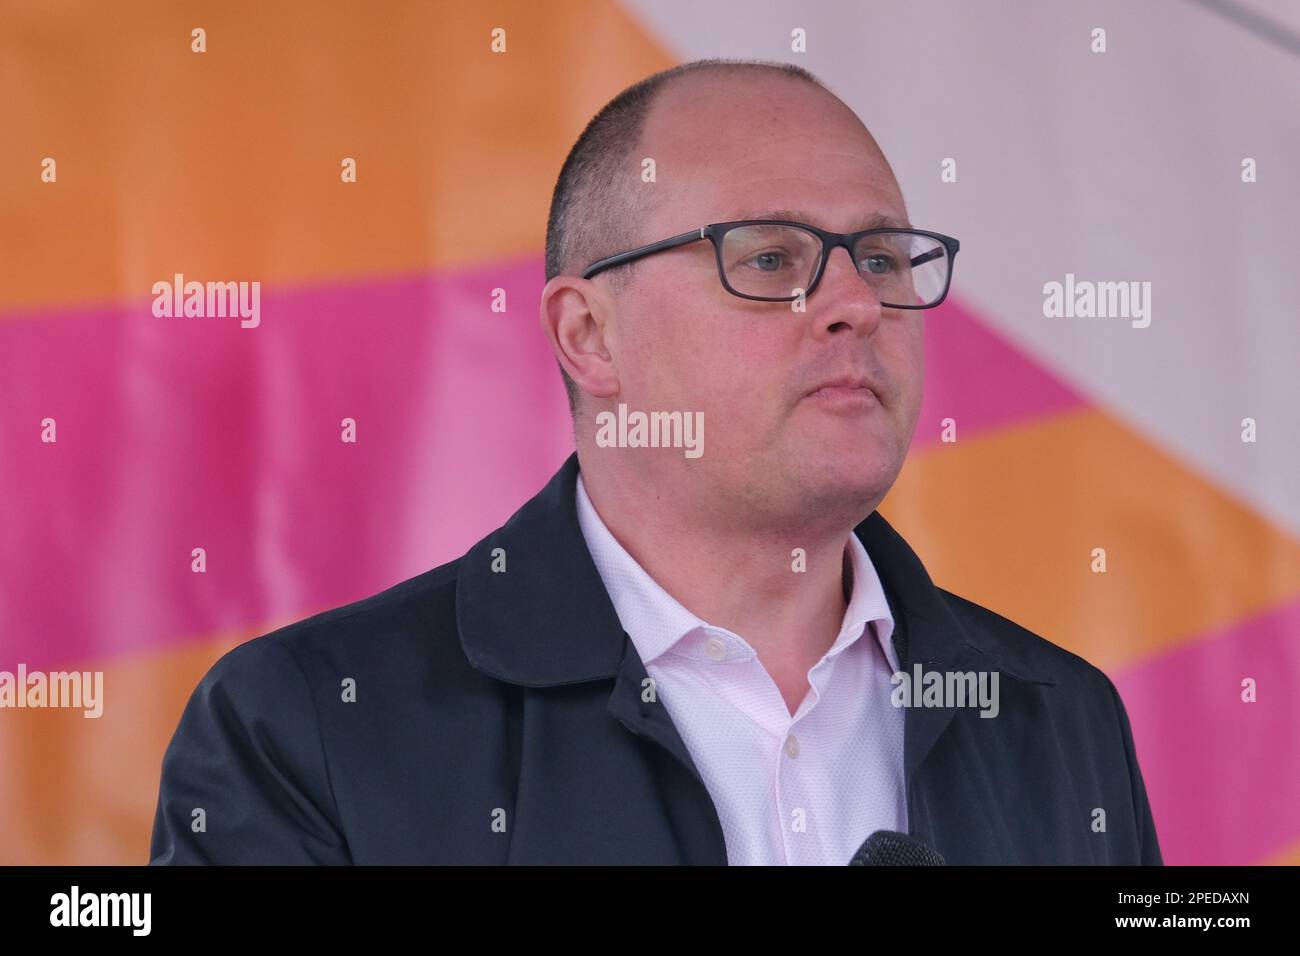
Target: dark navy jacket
point(498, 718)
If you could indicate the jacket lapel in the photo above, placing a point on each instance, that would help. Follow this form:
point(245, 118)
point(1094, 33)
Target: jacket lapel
point(926, 633)
point(546, 620)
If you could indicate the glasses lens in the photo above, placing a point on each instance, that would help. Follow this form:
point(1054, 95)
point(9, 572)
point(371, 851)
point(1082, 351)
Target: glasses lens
point(771, 262)
point(903, 268)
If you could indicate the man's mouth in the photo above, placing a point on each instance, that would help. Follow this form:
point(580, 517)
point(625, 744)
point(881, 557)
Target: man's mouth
point(846, 391)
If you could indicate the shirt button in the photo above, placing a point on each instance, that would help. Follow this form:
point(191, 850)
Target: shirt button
point(715, 648)
point(792, 745)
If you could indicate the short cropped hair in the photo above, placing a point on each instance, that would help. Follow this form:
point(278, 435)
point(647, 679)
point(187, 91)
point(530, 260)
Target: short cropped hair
point(596, 203)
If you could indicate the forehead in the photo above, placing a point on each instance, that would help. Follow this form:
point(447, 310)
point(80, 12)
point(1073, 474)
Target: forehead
point(866, 220)
point(764, 147)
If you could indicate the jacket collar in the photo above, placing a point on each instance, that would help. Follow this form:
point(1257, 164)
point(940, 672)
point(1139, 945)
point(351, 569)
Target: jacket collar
point(546, 619)
point(532, 610)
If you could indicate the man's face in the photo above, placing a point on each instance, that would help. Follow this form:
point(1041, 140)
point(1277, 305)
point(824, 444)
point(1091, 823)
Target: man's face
point(737, 149)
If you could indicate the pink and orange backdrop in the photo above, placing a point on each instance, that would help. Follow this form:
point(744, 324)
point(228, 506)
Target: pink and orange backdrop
point(376, 303)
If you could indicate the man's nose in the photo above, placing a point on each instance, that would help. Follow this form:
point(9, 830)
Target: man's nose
point(843, 297)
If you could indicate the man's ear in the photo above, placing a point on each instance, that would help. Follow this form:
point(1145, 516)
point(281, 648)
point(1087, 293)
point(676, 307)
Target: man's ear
point(574, 314)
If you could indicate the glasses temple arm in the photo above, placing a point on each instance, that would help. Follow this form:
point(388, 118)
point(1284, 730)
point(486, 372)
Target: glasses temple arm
point(622, 257)
point(927, 256)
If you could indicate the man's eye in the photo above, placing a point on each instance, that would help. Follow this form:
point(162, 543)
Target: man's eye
point(768, 261)
point(879, 263)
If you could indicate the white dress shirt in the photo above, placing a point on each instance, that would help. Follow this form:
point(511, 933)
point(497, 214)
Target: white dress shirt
point(803, 789)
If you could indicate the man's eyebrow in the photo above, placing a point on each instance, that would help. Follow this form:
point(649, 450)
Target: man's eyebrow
point(874, 221)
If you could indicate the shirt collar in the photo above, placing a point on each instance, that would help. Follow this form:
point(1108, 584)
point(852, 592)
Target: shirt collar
point(657, 622)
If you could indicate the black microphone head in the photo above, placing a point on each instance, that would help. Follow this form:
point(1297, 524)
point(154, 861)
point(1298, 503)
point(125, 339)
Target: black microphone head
point(890, 848)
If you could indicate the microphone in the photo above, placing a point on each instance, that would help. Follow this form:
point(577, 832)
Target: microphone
point(890, 848)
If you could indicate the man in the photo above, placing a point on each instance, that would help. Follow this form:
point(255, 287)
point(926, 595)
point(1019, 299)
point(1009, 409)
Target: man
point(681, 654)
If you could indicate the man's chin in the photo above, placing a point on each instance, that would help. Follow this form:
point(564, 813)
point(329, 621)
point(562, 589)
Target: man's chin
point(847, 479)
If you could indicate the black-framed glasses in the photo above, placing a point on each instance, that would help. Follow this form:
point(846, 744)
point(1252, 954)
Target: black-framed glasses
point(775, 260)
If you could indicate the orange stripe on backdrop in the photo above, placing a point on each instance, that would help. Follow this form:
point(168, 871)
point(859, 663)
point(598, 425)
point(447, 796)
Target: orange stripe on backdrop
point(1009, 520)
point(81, 791)
point(1290, 856)
point(225, 165)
